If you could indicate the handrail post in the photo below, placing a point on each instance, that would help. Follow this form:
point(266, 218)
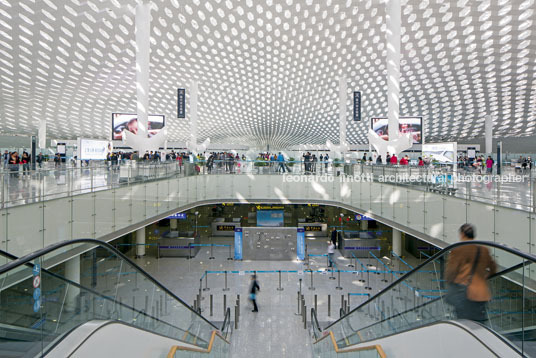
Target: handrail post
point(280, 288)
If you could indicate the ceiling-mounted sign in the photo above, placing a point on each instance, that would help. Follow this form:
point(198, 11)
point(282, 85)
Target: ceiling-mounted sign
point(357, 106)
point(181, 103)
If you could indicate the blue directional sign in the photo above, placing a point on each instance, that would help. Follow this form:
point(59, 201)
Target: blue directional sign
point(36, 270)
point(180, 216)
point(238, 243)
point(37, 305)
point(37, 294)
point(300, 245)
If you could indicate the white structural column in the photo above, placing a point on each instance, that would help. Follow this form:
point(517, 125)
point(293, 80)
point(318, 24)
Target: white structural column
point(173, 224)
point(72, 273)
point(488, 128)
point(397, 143)
point(143, 47)
point(140, 242)
point(393, 66)
point(343, 88)
point(397, 242)
point(194, 90)
point(364, 225)
point(42, 134)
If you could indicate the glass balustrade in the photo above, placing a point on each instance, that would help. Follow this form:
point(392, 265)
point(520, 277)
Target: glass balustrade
point(47, 295)
point(419, 298)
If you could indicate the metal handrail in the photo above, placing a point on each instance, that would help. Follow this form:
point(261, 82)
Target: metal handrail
point(314, 322)
point(226, 322)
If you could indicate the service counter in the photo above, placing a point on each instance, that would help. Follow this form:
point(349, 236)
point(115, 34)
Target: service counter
point(178, 244)
point(360, 244)
point(315, 229)
point(223, 228)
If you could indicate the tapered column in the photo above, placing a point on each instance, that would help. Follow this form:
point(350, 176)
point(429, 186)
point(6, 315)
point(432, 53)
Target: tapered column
point(143, 48)
point(342, 110)
point(194, 89)
point(488, 128)
point(393, 66)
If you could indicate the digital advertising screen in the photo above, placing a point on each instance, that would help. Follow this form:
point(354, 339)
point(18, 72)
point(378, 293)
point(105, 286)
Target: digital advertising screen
point(411, 125)
point(91, 149)
point(129, 122)
point(270, 218)
point(440, 152)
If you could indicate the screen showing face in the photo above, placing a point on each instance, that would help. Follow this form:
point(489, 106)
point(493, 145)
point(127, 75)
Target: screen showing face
point(411, 125)
point(129, 122)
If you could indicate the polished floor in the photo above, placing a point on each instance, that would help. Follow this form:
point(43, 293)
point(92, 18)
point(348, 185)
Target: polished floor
point(276, 330)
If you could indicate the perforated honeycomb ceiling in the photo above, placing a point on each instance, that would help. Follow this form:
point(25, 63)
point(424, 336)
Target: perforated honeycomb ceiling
point(268, 70)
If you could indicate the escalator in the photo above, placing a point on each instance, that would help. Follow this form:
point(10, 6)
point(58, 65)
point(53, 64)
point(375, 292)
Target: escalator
point(71, 289)
point(415, 304)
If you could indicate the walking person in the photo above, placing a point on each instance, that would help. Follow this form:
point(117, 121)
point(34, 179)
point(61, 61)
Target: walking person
point(489, 165)
point(281, 160)
point(253, 288)
point(467, 271)
point(334, 236)
point(331, 253)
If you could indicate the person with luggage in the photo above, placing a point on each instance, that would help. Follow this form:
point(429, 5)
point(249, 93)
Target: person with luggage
point(467, 271)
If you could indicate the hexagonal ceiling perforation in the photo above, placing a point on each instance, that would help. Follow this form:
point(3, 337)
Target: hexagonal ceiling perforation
point(268, 71)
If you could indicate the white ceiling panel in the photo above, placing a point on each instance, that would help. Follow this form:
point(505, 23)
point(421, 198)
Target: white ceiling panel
point(268, 70)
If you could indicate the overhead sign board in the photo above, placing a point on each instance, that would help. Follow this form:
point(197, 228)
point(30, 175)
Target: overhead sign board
point(181, 103)
point(357, 106)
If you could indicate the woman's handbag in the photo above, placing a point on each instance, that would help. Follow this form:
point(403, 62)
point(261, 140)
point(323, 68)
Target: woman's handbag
point(457, 293)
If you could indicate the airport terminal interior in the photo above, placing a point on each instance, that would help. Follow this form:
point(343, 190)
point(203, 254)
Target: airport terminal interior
point(278, 178)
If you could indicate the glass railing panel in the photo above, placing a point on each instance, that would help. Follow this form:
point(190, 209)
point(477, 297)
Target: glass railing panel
point(420, 298)
point(82, 282)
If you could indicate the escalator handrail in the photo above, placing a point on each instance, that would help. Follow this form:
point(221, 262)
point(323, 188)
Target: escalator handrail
point(402, 278)
point(30, 257)
point(226, 321)
point(314, 321)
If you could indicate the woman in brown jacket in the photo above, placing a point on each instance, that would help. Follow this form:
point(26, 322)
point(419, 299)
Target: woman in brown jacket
point(470, 266)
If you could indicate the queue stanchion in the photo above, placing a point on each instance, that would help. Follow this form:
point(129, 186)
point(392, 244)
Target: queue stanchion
point(224, 304)
point(211, 252)
point(339, 280)
point(316, 303)
point(189, 251)
point(280, 288)
point(367, 287)
point(329, 305)
point(206, 282)
point(312, 287)
point(225, 288)
point(230, 254)
point(211, 306)
point(298, 313)
point(332, 277)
